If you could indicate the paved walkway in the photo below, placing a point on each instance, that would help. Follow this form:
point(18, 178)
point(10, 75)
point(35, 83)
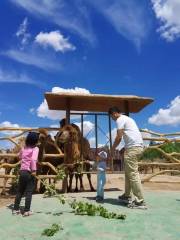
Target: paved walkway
point(161, 221)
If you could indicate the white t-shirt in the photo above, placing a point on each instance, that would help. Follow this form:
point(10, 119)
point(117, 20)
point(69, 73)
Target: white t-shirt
point(132, 136)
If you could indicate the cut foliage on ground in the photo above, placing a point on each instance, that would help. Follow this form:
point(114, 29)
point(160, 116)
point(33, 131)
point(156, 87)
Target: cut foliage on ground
point(160, 221)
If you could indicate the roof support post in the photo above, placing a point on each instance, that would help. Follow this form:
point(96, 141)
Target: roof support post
point(65, 180)
point(110, 141)
point(67, 111)
point(96, 133)
point(126, 107)
point(82, 133)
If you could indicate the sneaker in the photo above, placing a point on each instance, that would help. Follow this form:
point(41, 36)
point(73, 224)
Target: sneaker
point(27, 214)
point(124, 199)
point(16, 212)
point(99, 199)
point(137, 205)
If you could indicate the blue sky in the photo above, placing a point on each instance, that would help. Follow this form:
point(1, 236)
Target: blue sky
point(105, 46)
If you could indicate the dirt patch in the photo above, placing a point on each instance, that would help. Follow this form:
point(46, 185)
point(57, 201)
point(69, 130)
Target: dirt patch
point(162, 182)
point(115, 182)
point(6, 200)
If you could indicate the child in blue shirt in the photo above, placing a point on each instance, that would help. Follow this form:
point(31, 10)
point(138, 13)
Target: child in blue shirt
point(101, 175)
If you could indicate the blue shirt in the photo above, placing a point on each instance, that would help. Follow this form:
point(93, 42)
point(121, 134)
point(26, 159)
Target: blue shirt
point(101, 166)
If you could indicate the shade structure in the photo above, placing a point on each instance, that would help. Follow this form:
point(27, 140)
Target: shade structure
point(95, 102)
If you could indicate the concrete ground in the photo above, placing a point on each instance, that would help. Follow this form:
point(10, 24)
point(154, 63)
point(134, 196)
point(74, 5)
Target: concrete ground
point(161, 220)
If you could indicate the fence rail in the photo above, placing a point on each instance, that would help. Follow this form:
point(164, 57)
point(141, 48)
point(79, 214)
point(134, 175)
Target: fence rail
point(172, 164)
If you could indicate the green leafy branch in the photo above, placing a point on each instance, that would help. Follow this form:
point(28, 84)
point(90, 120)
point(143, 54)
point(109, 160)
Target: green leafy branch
point(60, 173)
point(52, 230)
point(85, 208)
point(50, 189)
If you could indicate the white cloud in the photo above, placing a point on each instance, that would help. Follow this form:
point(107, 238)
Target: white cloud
point(33, 58)
point(5, 144)
point(92, 142)
point(87, 126)
point(55, 40)
point(7, 76)
point(72, 15)
point(7, 124)
point(169, 115)
point(127, 17)
point(22, 32)
point(53, 133)
point(146, 135)
point(44, 112)
point(75, 90)
point(167, 12)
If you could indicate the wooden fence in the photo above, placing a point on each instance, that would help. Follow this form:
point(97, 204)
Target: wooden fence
point(15, 139)
point(172, 163)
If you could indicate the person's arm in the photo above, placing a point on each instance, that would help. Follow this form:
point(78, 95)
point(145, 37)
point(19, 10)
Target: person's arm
point(92, 163)
point(117, 139)
point(101, 167)
point(20, 154)
point(34, 159)
point(33, 173)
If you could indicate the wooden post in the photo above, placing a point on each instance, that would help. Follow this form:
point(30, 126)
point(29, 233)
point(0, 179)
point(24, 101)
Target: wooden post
point(110, 141)
point(82, 133)
point(67, 111)
point(96, 133)
point(126, 107)
point(65, 180)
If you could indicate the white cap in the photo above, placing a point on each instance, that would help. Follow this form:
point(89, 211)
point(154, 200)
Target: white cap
point(102, 154)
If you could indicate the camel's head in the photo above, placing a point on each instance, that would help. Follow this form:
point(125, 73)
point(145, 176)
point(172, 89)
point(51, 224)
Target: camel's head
point(43, 135)
point(67, 134)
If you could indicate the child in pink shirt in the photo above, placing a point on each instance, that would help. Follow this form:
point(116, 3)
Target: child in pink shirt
point(28, 157)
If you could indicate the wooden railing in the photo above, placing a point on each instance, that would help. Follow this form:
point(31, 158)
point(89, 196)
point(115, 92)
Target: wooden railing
point(172, 163)
point(15, 140)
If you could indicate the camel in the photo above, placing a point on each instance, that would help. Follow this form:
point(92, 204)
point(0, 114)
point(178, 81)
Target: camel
point(70, 137)
point(10, 160)
point(47, 146)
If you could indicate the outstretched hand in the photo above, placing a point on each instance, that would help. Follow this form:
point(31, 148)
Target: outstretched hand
point(33, 174)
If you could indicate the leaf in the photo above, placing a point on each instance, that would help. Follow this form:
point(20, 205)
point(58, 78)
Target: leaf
point(52, 230)
point(84, 208)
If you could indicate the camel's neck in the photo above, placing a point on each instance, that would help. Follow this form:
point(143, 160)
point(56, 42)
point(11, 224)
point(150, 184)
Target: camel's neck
point(71, 151)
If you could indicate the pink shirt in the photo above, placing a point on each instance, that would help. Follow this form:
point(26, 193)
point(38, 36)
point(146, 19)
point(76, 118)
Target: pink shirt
point(29, 157)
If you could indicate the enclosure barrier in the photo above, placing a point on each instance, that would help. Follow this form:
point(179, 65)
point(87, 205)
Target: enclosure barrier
point(171, 166)
point(173, 159)
point(17, 139)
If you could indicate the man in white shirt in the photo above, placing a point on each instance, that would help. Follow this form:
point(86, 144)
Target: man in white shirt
point(128, 130)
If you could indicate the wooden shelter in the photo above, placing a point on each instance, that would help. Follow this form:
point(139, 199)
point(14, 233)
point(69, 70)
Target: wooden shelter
point(85, 104)
point(97, 104)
